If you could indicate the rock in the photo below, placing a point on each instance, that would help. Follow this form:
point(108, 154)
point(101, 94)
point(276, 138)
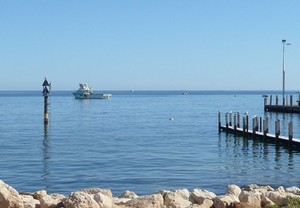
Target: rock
point(233, 189)
point(199, 195)
point(277, 198)
point(251, 198)
point(9, 197)
point(128, 194)
point(148, 201)
point(253, 187)
point(51, 201)
point(293, 190)
point(39, 194)
point(29, 201)
point(103, 200)
point(240, 205)
point(266, 202)
point(179, 198)
point(223, 201)
point(120, 201)
point(207, 203)
point(281, 190)
point(80, 200)
point(92, 191)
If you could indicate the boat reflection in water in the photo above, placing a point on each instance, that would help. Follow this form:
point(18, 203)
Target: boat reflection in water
point(86, 92)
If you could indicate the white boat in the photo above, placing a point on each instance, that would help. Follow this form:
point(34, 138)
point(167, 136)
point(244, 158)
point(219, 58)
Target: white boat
point(86, 92)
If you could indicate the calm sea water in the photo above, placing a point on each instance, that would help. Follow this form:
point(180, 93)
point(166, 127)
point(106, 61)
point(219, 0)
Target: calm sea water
point(142, 141)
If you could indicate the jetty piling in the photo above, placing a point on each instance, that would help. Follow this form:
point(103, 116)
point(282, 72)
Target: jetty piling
point(46, 92)
point(238, 119)
point(290, 131)
point(277, 130)
point(266, 125)
point(260, 129)
point(234, 122)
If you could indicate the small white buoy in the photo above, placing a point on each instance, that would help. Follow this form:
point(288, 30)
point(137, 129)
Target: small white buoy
point(171, 119)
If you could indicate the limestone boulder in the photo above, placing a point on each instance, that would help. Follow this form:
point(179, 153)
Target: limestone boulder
point(80, 200)
point(265, 201)
point(29, 201)
point(294, 190)
point(148, 201)
point(252, 198)
point(277, 198)
point(92, 191)
point(51, 201)
point(224, 201)
point(207, 203)
point(233, 189)
point(281, 190)
point(39, 194)
point(256, 187)
point(128, 194)
point(199, 195)
point(103, 201)
point(240, 205)
point(179, 198)
point(9, 197)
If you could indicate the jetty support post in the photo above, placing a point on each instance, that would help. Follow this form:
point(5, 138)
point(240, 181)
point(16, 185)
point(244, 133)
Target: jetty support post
point(238, 119)
point(234, 122)
point(291, 100)
point(277, 130)
point(260, 124)
point(290, 131)
point(219, 121)
point(46, 92)
point(270, 99)
point(247, 123)
point(230, 119)
point(276, 99)
point(287, 100)
point(266, 125)
point(244, 124)
point(255, 125)
point(226, 121)
point(265, 100)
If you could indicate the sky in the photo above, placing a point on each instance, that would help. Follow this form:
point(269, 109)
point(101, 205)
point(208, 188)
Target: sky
point(149, 44)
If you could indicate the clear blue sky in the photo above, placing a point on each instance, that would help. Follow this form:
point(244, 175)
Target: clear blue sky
point(149, 44)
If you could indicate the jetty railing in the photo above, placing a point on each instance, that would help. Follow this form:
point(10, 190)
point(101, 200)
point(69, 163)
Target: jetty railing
point(260, 128)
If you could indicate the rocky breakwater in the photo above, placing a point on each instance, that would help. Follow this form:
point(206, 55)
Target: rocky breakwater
point(252, 196)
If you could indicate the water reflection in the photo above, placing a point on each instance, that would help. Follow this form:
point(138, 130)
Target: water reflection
point(46, 157)
point(242, 156)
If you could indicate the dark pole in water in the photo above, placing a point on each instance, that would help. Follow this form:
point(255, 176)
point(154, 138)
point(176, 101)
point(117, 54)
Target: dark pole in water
point(219, 119)
point(277, 130)
point(290, 131)
point(46, 91)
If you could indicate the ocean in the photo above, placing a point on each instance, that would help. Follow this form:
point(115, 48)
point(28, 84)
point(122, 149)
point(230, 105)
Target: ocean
point(143, 141)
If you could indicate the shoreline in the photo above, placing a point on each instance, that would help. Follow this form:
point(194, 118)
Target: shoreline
point(251, 196)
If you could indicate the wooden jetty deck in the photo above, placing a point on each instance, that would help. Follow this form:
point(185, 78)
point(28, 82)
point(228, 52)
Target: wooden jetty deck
point(260, 129)
point(286, 107)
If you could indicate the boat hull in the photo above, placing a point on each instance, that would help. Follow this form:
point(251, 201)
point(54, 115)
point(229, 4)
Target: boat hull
point(92, 96)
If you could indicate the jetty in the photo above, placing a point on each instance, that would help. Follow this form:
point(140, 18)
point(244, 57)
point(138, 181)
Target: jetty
point(259, 129)
point(286, 107)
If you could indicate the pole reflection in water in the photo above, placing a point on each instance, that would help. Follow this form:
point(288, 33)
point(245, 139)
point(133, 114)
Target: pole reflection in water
point(46, 157)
